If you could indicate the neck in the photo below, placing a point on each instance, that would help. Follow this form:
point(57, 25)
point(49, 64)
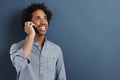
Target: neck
point(40, 40)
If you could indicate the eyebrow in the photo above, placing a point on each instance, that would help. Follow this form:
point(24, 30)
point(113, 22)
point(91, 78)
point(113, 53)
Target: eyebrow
point(40, 16)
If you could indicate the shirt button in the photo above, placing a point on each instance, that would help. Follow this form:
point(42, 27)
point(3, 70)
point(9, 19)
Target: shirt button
point(41, 56)
point(41, 65)
point(41, 74)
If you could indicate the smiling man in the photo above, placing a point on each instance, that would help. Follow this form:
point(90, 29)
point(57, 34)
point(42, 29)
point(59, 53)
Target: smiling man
point(36, 58)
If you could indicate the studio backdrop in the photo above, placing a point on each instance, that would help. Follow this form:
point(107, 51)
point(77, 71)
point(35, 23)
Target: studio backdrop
point(88, 31)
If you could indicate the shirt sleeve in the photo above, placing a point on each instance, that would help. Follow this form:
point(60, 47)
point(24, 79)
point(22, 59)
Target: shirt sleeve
point(18, 58)
point(60, 69)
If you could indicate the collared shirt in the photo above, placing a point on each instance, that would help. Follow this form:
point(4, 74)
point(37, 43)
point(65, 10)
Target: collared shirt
point(43, 64)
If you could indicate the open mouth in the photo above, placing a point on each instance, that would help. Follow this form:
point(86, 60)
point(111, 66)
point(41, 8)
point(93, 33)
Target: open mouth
point(42, 28)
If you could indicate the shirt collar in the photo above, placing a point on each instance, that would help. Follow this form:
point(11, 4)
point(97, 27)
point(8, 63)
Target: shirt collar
point(36, 42)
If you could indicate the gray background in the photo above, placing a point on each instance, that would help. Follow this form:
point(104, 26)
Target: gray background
point(87, 30)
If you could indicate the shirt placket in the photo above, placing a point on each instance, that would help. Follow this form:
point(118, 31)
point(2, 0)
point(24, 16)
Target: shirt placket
point(41, 66)
point(42, 63)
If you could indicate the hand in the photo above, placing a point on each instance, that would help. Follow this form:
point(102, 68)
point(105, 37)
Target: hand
point(29, 28)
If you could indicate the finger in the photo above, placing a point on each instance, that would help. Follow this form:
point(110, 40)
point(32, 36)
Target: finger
point(28, 23)
point(34, 25)
point(31, 24)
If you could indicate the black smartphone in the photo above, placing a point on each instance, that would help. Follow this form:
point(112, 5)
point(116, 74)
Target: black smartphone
point(35, 29)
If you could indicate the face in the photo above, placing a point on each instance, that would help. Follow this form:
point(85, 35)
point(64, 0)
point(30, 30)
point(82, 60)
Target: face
point(39, 18)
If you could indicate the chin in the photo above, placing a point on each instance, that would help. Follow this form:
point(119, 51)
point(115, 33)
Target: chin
point(42, 33)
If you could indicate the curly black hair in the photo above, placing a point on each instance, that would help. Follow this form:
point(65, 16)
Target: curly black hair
point(27, 12)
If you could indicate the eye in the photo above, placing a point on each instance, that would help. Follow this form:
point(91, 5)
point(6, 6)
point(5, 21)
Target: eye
point(45, 17)
point(38, 17)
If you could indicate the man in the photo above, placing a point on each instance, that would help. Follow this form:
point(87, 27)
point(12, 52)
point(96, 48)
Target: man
point(36, 58)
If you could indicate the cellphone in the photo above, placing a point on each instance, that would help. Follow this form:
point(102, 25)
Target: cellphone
point(33, 27)
point(36, 31)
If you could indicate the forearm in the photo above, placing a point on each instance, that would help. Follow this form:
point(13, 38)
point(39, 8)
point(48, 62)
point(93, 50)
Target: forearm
point(28, 46)
point(17, 57)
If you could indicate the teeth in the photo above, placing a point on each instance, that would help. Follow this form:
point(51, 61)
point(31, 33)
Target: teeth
point(42, 28)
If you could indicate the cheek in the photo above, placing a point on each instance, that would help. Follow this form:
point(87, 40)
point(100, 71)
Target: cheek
point(47, 22)
point(37, 23)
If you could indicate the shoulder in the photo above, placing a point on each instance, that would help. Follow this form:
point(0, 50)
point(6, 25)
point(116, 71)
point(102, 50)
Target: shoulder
point(17, 45)
point(54, 49)
point(53, 45)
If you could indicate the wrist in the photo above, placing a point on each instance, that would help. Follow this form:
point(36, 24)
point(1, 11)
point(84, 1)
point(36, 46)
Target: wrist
point(31, 35)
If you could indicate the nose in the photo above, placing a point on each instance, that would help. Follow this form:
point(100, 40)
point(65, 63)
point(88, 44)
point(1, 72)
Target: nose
point(43, 22)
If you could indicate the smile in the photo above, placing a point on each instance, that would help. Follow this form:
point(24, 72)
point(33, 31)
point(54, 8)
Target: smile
point(42, 28)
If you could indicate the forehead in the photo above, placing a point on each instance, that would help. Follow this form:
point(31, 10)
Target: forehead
point(39, 12)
